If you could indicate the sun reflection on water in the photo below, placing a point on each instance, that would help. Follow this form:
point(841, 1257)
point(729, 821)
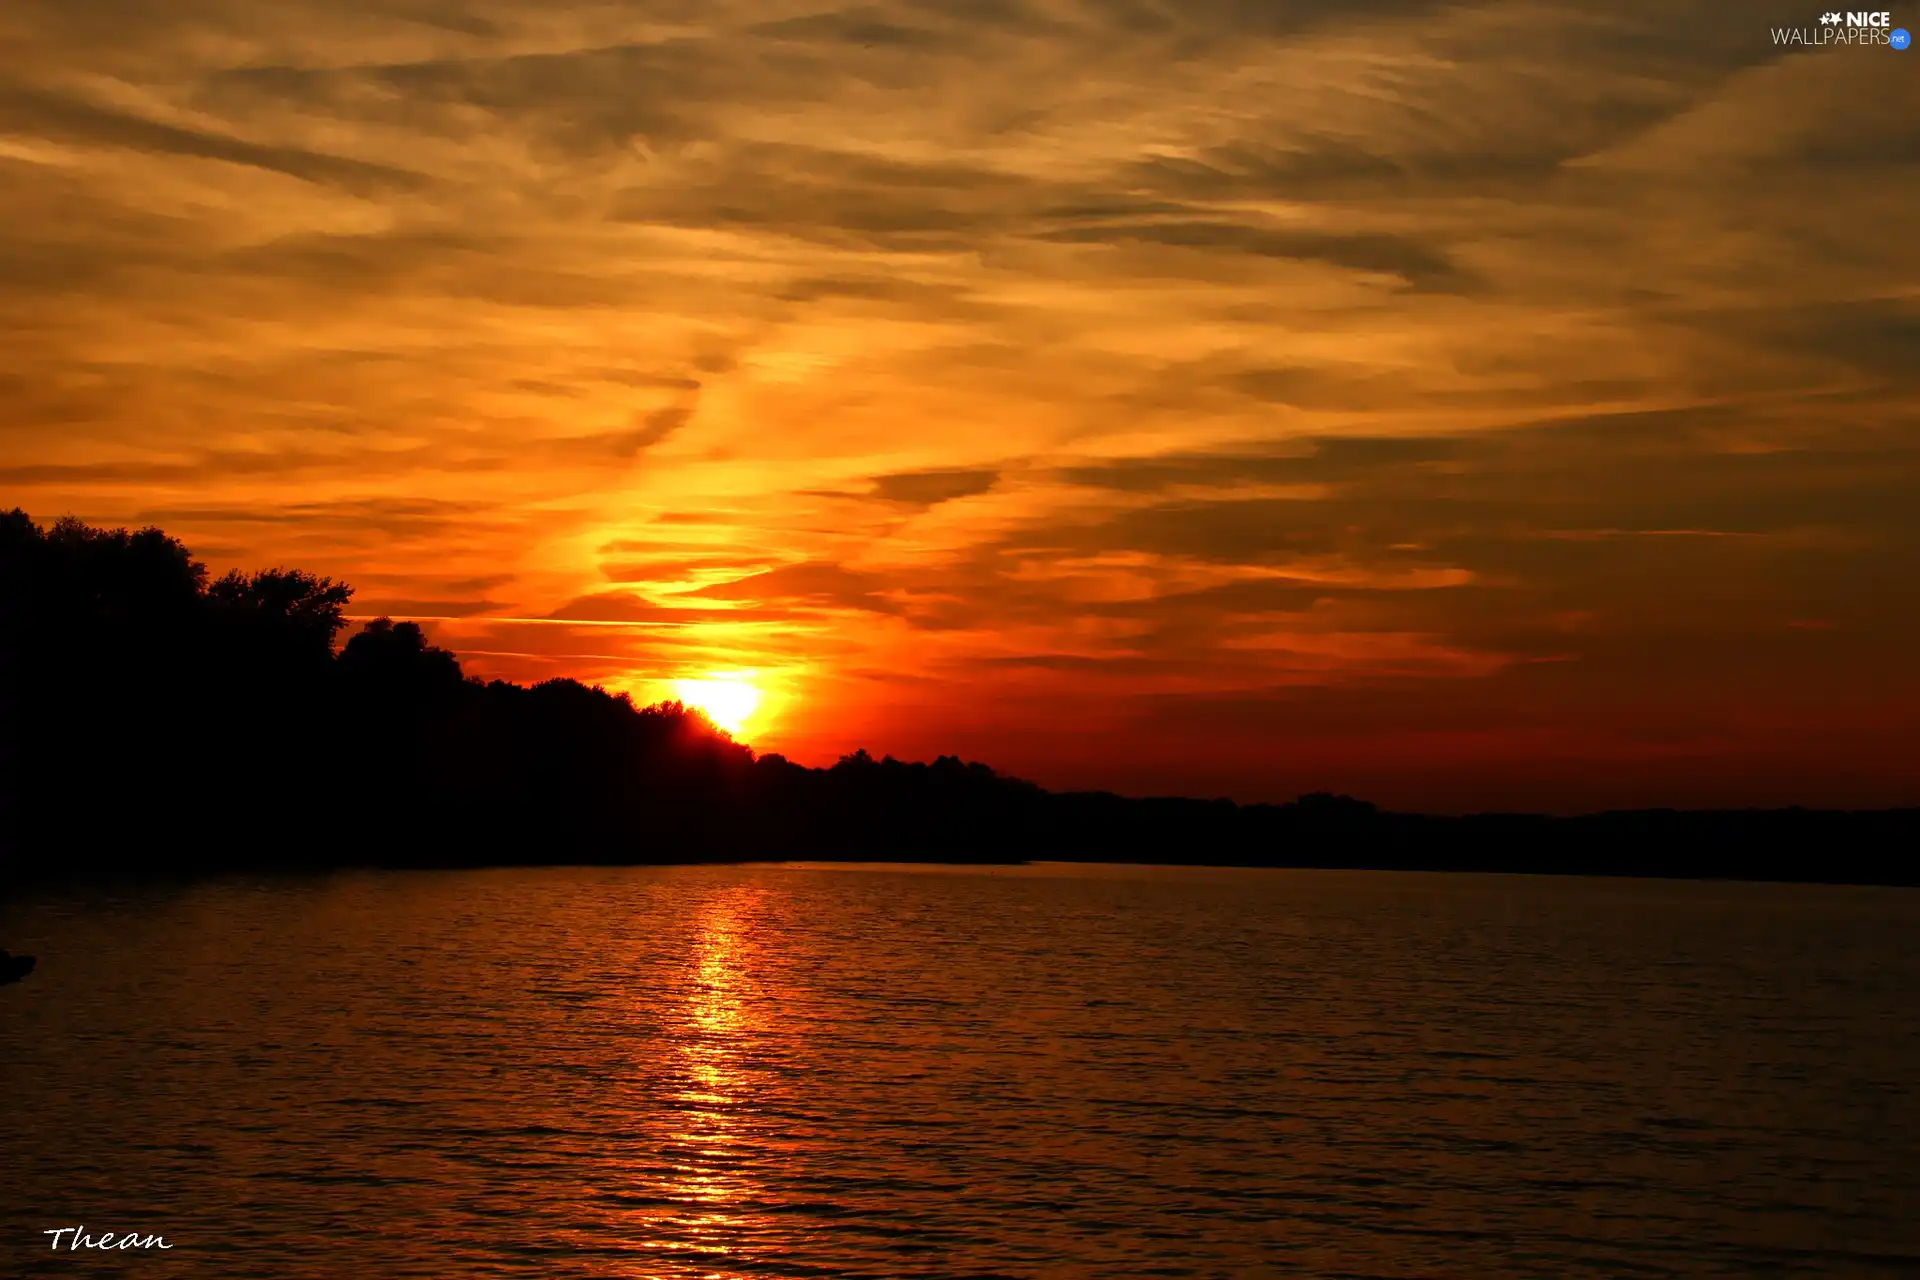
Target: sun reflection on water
point(702, 1219)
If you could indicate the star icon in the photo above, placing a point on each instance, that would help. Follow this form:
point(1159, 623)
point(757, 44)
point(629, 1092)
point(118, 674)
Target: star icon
point(1830, 19)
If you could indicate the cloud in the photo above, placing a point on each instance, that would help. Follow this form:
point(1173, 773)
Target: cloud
point(394, 607)
point(815, 584)
point(930, 488)
point(677, 568)
point(655, 427)
point(863, 26)
point(50, 116)
point(613, 606)
point(1418, 265)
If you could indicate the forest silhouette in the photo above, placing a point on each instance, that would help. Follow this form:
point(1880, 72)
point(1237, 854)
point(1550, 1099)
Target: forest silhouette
point(155, 720)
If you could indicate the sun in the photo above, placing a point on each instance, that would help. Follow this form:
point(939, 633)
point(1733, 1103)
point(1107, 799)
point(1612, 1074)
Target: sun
point(728, 701)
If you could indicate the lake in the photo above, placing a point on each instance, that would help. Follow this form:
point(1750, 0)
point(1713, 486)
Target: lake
point(880, 1071)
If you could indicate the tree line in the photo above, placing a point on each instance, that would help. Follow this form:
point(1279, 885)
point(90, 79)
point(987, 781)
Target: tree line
point(153, 718)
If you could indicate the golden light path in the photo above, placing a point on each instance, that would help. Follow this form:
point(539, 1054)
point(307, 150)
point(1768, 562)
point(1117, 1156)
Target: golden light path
point(728, 699)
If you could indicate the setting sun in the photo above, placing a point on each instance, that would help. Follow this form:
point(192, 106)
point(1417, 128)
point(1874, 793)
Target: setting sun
point(727, 701)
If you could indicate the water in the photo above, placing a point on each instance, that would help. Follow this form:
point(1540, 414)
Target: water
point(880, 1071)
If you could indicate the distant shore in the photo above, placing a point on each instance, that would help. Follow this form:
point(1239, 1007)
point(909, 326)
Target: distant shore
point(1872, 847)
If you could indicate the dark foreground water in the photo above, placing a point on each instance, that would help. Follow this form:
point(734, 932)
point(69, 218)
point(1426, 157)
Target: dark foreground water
point(1077, 1072)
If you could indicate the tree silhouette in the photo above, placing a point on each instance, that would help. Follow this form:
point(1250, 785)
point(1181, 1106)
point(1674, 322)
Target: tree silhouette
point(287, 608)
point(393, 660)
point(152, 720)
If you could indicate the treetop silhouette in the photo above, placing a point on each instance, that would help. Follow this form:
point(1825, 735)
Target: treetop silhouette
point(152, 720)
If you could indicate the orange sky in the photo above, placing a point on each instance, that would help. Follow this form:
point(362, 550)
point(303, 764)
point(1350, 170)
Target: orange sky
point(1467, 405)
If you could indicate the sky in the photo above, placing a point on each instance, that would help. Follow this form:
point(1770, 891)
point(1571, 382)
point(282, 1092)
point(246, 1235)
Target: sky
point(1484, 405)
